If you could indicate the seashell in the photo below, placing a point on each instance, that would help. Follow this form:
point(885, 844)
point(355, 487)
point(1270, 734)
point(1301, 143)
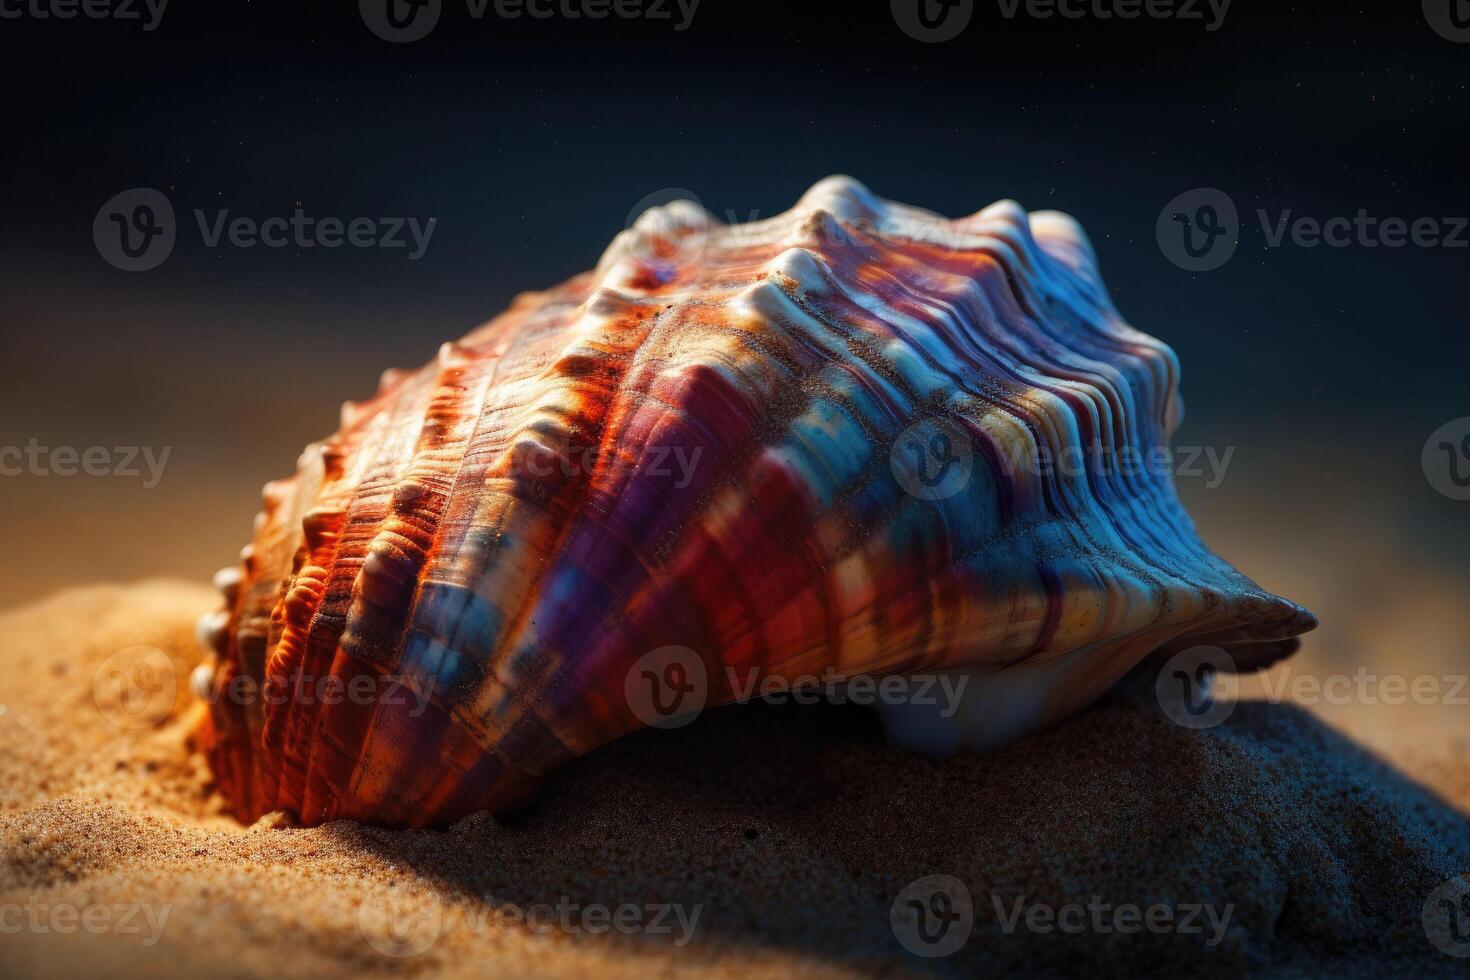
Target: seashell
point(727, 452)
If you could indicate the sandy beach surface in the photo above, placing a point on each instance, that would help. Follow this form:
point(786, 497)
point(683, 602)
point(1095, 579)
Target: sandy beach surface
point(759, 841)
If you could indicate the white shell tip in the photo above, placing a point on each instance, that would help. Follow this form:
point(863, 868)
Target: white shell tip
point(201, 681)
point(228, 579)
point(210, 628)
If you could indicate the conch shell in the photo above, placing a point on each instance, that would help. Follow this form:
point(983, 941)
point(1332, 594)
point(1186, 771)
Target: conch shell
point(729, 452)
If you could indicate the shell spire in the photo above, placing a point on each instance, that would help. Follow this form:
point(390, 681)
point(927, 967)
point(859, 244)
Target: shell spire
point(854, 438)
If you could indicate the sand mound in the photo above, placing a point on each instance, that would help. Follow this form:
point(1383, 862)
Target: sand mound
point(760, 841)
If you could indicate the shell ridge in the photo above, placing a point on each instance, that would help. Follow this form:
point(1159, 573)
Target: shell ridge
point(369, 637)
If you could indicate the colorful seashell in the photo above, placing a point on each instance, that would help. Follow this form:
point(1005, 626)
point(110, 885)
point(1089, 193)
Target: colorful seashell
point(830, 442)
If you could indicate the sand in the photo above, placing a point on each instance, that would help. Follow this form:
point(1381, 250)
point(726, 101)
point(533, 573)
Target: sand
point(781, 835)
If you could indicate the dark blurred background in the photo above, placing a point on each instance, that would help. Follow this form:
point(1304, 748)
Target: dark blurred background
point(1324, 370)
